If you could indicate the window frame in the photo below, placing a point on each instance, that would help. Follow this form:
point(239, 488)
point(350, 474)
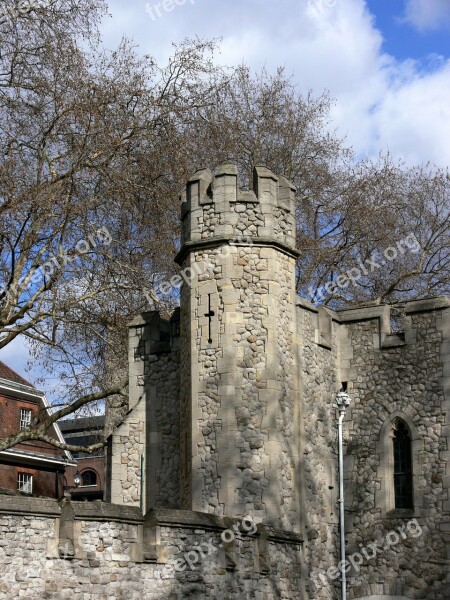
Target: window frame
point(24, 423)
point(82, 485)
point(29, 482)
point(385, 492)
point(403, 471)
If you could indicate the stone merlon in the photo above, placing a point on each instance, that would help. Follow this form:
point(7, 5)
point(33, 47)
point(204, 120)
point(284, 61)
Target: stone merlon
point(215, 211)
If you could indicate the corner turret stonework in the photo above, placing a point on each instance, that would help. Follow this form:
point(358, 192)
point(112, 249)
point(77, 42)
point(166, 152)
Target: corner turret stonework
point(231, 415)
point(239, 382)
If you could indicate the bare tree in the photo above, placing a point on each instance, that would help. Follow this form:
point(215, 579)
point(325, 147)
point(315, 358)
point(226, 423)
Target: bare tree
point(353, 215)
point(86, 201)
point(95, 148)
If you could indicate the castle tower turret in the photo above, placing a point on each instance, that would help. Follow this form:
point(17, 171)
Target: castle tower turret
point(239, 425)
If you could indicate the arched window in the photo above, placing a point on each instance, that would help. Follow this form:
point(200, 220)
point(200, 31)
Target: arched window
point(403, 481)
point(88, 478)
point(399, 468)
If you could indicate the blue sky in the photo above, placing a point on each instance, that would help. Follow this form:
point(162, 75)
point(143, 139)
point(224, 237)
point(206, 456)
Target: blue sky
point(386, 63)
point(412, 37)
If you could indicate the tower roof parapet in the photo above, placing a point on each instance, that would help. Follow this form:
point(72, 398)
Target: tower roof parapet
point(214, 208)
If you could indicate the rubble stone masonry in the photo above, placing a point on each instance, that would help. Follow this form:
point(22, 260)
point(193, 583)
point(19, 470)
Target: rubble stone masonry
point(232, 415)
point(240, 397)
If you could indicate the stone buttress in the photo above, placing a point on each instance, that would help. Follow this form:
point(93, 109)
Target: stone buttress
point(143, 454)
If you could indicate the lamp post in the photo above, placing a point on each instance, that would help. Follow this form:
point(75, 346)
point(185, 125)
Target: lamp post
point(342, 403)
point(76, 483)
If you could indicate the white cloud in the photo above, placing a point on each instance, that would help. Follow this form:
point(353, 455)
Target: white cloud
point(428, 14)
point(413, 120)
point(381, 103)
point(15, 355)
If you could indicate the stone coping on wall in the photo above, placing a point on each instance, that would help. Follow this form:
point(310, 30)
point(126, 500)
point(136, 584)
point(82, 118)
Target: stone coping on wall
point(185, 518)
point(377, 310)
point(373, 311)
point(107, 512)
point(22, 505)
point(196, 520)
point(216, 241)
point(102, 511)
point(380, 312)
point(151, 317)
point(306, 304)
point(383, 597)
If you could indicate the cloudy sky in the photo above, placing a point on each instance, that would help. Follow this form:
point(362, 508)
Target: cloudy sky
point(386, 63)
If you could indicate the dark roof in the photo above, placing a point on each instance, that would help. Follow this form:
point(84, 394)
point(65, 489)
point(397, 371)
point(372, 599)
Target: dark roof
point(10, 375)
point(82, 423)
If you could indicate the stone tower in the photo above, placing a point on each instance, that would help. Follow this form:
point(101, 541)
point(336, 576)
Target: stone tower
point(239, 401)
point(231, 415)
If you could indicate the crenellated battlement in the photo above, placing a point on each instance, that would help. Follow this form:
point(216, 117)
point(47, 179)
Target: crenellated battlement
point(215, 209)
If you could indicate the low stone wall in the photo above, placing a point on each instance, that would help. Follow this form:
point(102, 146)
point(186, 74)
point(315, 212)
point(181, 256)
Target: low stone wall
point(101, 551)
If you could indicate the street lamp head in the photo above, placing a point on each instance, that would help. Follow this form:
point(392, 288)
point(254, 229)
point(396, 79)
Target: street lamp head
point(342, 400)
point(77, 479)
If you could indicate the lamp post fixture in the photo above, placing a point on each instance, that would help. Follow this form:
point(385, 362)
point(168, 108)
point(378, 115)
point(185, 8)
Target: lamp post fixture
point(76, 483)
point(342, 403)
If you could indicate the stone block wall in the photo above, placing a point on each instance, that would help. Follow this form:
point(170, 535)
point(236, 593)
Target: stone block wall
point(147, 440)
point(392, 553)
point(214, 208)
point(318, 359)
point(399, 376)
point(99, 551)
point(240, 392)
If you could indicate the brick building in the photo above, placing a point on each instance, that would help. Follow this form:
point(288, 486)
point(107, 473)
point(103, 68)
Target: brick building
point(85, 431)
point(33, 467)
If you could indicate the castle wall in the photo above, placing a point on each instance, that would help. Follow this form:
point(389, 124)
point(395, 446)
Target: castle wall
point(318, 342)
point(94, 551)
point(402, 376)
point(148, 437)
point(240, 397)
point(405, 375)
point(236, 412)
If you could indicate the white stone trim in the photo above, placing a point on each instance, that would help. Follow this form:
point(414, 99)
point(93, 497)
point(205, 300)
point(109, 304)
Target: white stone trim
point(385, 498)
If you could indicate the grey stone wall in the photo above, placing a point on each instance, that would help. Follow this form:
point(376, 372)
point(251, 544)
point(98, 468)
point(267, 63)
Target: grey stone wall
point(148, 437)
point(389, 376)
point(87, 554)
point(240, 396)
point(319, 378)
point(215, 208)
point(400, 376)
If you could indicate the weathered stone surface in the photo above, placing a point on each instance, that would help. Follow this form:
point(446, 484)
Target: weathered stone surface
point(388, 377)
point(232, 414)
point(192, 559)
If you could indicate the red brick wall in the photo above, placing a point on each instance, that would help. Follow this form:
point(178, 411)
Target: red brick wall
point(10, 423)
point(44, 482)
point(44, 479)
point(95, 463)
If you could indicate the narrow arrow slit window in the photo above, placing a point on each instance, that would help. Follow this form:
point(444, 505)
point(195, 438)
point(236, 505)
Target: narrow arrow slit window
point(403, 481)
